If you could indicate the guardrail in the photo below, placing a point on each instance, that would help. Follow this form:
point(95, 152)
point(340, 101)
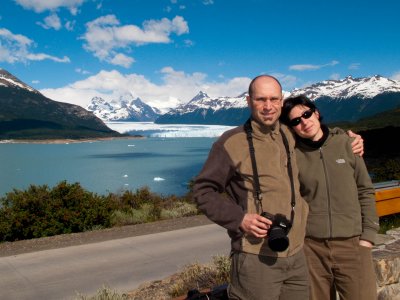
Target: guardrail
point(387, 195)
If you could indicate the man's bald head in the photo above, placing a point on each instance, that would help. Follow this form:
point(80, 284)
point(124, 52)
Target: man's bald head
point(267, 77)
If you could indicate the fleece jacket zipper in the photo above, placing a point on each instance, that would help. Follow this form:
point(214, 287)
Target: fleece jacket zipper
point(327, 191)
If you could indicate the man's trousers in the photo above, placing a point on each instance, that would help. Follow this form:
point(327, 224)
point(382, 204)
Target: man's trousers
point(256, 277)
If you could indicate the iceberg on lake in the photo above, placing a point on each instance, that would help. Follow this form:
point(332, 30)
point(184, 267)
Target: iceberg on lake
point(158, 179)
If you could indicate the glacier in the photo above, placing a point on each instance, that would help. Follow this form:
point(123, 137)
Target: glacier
point(150, 129)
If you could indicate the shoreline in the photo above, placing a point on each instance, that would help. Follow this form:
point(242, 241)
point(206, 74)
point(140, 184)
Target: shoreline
point(69, 141)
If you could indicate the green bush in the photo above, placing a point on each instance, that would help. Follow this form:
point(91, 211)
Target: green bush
point(40, 211)
point(389, 222)
point(389, 170)
point(179, 209)
point(134, 216)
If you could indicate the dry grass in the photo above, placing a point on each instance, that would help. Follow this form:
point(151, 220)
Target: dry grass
point(193, 276)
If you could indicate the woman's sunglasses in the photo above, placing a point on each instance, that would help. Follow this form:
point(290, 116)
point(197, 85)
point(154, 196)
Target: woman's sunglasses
point(305, 115)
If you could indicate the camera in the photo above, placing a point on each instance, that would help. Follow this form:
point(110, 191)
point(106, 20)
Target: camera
point(277, 237)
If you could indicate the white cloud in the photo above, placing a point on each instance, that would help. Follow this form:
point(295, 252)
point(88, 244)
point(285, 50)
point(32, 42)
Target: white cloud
point(309, 67)
point(43, 56)
point(69, 25)
point(81, 71)
point(122, 60)
point(43, 5)
point(52, 21)
point(16, 48)
point(35, 81)
point(335, 76)
point(354, 66)
point(105, 35)
point(396, 76)
point(188, 43)
point(287, 81)
point(208, 2)
point(176, 87)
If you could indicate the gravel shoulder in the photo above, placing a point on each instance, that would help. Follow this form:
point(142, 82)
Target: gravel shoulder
point(74, 239)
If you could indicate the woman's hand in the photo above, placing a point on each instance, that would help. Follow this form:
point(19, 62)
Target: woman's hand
point(365, 244)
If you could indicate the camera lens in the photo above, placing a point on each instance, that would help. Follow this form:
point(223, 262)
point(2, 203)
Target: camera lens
point(277, 240)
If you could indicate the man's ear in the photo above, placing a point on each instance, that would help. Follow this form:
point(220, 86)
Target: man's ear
point(317, 113)
point(248, 100)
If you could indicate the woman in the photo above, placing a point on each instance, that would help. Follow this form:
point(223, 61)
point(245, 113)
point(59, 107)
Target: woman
point(342, 222)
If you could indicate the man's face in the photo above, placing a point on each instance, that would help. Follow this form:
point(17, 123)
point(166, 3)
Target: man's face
point(266, 102)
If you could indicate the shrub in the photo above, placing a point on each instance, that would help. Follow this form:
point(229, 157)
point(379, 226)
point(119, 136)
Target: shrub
point(39, 211)
point(133, 216)
point(135, 200)
point(66, 208)
point(389, 222)
point(178, 210)
point(389, 170)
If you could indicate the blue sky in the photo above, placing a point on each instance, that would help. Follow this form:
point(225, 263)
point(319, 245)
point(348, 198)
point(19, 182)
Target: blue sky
point(166, 51)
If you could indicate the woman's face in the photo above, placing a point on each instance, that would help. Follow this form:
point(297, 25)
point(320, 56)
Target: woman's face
point(309, 126)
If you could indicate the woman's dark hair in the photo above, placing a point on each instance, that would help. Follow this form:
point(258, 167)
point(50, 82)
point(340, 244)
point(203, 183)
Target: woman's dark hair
point(291, 102)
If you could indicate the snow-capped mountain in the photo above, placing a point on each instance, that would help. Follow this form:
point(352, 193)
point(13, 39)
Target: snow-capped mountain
point(26, 113)
point(205, 110)
point(366, 96)
point(126, 108)
point(9, 80)
point(365, 88)
point(351, 98)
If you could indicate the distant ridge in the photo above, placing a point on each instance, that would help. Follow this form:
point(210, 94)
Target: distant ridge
point(26, 114)
point(349, 99)
point(126, 108)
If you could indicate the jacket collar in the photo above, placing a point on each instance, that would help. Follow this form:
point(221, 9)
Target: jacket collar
point(261, 130)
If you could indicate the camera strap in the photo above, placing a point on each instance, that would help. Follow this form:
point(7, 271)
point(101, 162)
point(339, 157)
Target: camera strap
point(256, 181)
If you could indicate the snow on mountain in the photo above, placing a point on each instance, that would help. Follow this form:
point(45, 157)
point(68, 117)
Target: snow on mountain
point(367, 96)
point(203, 101)
point(8, 80)
point(125, 108)
point(365, 88)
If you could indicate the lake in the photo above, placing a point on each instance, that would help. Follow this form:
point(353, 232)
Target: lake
point(164, 160)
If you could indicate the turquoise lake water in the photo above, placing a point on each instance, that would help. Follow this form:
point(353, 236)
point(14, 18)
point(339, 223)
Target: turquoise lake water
point(166, 165)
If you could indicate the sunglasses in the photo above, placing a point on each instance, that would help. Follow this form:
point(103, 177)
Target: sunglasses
point(305, 115)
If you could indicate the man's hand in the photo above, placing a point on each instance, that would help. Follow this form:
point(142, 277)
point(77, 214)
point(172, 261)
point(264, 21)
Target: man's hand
point(255, 225)
point(358, 144)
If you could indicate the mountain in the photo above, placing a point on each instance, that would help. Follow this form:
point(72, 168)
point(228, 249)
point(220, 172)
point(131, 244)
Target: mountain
point(351, 99)
point(205, 110)
point(26, 114)
point(348, 99)
point(126, 108)
point(349, 87)
point(380, 120)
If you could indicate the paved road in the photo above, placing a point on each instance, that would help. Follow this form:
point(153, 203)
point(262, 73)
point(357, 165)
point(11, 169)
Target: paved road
point(120, 264)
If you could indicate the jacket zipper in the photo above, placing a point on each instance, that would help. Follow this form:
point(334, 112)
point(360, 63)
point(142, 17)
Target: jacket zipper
point(327, 192)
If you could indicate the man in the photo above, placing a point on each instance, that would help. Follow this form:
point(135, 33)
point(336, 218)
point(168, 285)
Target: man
point(249, 171)
point(233, 194)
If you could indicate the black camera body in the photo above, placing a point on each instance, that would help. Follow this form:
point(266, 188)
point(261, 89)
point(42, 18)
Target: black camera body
point(277, 233)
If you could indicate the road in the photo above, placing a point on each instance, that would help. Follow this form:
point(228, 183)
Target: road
point(121, 264)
